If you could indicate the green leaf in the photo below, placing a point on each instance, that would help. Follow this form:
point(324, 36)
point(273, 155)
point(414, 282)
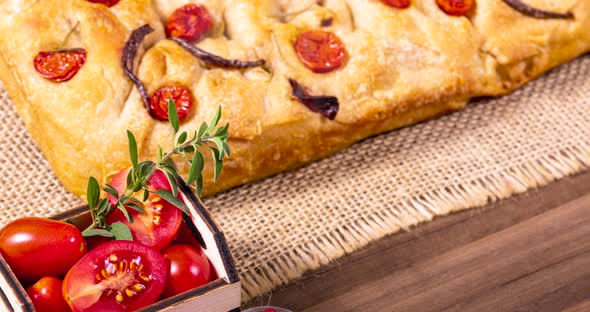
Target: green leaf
point(173, 116)
point(132, 148)
point(136, 186)
point(93, 192)
point(196, 169)
point(160, 153)
point(121, 231)
point(136, 207)
point(219, 144)
point(97, 232)
point(103, 206)
point(202, 130)
point(226, 149)
point(215, 119)
point(130, 178)
point(189, 149)
point(125, 212)
point(222, 131)
point(182, 137)
point(168, 163)
point(111, 190)
point(217, 163)
point(172, 181)
point(133, 200)
point(199, 185)
point(146, 194)
point(145, 168)
point(173, 200)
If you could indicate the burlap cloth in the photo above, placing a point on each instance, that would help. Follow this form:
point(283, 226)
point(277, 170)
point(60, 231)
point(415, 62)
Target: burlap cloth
point(281, 227)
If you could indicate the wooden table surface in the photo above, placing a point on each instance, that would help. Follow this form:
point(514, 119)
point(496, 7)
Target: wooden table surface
point(527, 253)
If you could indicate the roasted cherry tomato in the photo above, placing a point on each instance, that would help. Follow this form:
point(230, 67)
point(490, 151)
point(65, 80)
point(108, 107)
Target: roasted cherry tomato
point(320, 51)
point(38, 247)
point(61, 65)
point(455, 7)
point(108, 3)
point(181, 96)
point(188, 268)
point(158, 225)
point(116, 276)
point(46, 295)
point(400, 4)
point(189, 22)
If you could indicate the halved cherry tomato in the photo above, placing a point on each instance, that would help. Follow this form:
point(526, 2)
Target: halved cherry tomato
point(182, 97)
point(61, 65)
point(189, 22)
point(158, 225)
point(39, 247)
point(400, 4)
point(188, 268)
point(455, 7)
point(46, 295)
point(108, 3)
point(116, 276)
point(320, 51)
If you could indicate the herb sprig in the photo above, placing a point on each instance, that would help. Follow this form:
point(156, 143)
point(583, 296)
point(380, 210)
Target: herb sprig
point(209, 136)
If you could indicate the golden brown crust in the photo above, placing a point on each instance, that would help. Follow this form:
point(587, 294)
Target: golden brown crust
point(402, 66)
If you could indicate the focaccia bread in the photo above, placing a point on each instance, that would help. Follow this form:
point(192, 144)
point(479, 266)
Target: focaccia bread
point(399, 63)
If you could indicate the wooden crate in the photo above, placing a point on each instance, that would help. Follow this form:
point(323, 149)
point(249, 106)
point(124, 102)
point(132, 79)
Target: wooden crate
point(220, 295)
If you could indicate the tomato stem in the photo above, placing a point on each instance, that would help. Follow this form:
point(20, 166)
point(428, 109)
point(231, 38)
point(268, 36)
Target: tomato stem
point(63, 44)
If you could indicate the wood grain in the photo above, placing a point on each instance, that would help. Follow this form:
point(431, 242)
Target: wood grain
point(527, 253)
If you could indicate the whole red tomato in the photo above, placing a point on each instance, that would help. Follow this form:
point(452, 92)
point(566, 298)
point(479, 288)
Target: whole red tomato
point(187, 268)
point(46, 295)
point(38, 247)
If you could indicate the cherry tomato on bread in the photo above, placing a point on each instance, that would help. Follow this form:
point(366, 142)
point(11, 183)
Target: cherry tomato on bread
point(39, 247)
point(108, 3)
point(46, 295)
point(182, 97)
point(189, 22)
point(116, 276)
point(455, 7)
point(320, 51)
point(400, 4)
point(59, 66)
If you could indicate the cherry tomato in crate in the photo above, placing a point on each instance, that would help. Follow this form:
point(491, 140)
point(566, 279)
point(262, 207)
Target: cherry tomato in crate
point(46, 295)
point(116, 276)
point(188, 268)
point(39, 247)
point(158, 225)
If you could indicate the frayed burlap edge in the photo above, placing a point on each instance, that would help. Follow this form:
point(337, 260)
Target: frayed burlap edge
point(359, 233)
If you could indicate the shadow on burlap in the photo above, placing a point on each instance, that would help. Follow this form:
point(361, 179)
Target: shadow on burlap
point(282, 226)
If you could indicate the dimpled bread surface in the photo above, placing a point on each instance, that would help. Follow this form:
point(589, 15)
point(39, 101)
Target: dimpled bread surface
point(402, 66)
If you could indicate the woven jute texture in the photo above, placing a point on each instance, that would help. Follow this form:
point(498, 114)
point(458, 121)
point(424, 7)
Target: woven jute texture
point(281, 227)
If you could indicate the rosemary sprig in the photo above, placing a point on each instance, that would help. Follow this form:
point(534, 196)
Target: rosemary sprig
point(209, 136)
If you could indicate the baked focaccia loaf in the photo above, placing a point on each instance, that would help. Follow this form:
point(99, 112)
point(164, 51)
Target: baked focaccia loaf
point(387, 63)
